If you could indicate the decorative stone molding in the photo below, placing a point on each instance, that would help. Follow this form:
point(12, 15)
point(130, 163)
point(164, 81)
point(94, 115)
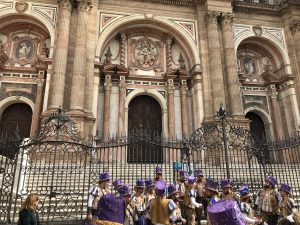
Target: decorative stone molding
point(21, 6)
point(257, 30)
point(183, 88)
point(49, 12)
point(295, 26)
point(272, 91)
point(123, 49)
point(122, 86)
point(212, 16)
point(169, 53)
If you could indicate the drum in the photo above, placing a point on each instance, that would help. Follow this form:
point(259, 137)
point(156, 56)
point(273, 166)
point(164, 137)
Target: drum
point(225, 212)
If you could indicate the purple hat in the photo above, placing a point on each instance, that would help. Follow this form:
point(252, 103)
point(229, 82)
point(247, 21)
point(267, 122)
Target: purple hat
point(117, 183)
point(272, 180)
point(244, 191)
point(226, 183)
point(104, 176)
point(158, 170)
point(172, 190)
point(224, 213)
point(160, 187)
point(191, 179)
point(286, 188)
point(183, 173)
point(149, 183)
point(211, 185)
point(111, 208)
point(199, 173)
point(124, 190)
point(140, 184)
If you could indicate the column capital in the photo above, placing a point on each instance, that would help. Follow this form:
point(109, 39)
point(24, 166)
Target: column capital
point(272, 91)
point(227, 19)
point(85, 5)
point(183, 89)
point(212, 16)
point(122, 86)
point(65, 4)
point(170, 89)
point(295, 26)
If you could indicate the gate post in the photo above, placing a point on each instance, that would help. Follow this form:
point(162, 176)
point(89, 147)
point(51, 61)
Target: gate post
point(222, 114)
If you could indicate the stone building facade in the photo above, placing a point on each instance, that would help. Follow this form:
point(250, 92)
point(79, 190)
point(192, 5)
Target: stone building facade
point(162, 65)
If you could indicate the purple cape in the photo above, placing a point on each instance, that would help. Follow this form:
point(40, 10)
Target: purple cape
point(225, 213)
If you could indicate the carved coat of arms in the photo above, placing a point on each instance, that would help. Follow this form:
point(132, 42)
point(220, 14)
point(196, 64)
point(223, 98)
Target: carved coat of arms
point(145, 54)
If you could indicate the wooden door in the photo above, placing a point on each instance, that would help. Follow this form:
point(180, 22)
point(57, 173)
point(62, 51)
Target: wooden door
point(16, 116)
point(145, 123)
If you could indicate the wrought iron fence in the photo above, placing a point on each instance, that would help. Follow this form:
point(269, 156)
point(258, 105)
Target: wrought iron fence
point(61, 167)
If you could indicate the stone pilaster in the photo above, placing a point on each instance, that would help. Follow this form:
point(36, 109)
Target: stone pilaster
point(171, 124)
point(106, 116)
point(122, 96)
point(233, 84)
point(276, 117)
point(36, 117)
point(57, 83)
point(204, 55)
point(215, 61)
point(184, 111)
point(79, 67)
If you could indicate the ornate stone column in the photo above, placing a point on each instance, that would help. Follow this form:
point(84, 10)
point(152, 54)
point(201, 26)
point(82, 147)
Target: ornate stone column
point(36, 117)
point(184, 111)
point(79, 67)
point(57, 83)
point(170, 93)
point(90, 59)
point(233, 84)
point(122, 96)
point(276, 117)
point(215, 61)
point(106, 110)
point(295, 30)
point(168, 54)
point(123, 49)
point(204, 55)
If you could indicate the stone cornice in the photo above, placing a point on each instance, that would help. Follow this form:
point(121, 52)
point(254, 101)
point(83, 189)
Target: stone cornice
point(174, 2)
point(268, 9)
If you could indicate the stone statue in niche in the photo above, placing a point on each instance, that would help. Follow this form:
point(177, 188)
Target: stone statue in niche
point(24, 50)
point(249, 66)
point(145, 54)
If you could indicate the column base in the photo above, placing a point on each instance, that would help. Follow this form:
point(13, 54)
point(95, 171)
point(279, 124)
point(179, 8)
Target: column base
point(234, 120)
point(84, 122)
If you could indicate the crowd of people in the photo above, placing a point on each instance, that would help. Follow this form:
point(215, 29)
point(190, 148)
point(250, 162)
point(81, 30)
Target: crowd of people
point(189, 200)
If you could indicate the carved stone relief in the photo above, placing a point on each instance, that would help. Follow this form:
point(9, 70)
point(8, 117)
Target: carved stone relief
point(146, 54)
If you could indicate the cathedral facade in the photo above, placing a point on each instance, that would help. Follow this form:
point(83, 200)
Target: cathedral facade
point(159, 65)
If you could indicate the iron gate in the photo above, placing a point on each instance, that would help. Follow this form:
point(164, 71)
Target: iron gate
point(61, 167)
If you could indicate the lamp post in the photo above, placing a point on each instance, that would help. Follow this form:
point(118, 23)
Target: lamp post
point(222, 115)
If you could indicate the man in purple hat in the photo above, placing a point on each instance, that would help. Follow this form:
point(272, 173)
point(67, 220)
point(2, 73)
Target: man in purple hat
point(125, 193)
point(200, 197)
point(180, 184)
point(162, 210)
point(96, 193)
point(117, 184)
point(287, 205)
point(267, 201)
point(150, 195)
point(245, 205)
point(139, 202)
point(158, 173)
point(227, 193)
point(211, 193)
point(173, 194)
point(189, 201)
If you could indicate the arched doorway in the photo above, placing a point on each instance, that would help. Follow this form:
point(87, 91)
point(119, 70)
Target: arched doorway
point(257, 125)
point(16, 116)
point(144, 122)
